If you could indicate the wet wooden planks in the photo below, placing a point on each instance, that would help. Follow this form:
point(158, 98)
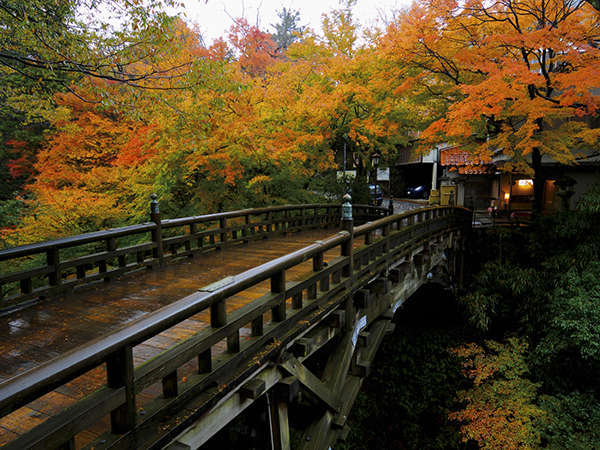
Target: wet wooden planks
point(35, 335)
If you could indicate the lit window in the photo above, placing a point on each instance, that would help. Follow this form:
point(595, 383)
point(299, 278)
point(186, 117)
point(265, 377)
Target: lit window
point(528, 182)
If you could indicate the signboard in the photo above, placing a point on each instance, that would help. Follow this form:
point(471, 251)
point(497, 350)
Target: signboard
point(360, 325)
point(348, 174)
point(397, 305)
point(383, 174)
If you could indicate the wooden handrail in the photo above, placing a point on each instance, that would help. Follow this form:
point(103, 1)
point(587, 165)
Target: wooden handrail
point(101, 263)
point(72, 241)
point(115, 349)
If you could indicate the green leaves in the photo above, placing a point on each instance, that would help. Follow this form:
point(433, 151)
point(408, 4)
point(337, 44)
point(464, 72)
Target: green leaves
point(572, 335)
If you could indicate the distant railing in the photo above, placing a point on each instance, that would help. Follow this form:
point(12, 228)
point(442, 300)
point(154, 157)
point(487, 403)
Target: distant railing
point(516, 219)
point(60, 265)
point(293, 307)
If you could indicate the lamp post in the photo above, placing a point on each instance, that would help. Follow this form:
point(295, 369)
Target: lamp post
point(375, 157)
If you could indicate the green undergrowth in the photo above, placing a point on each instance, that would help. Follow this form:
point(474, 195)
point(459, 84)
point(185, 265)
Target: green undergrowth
point(405, 401)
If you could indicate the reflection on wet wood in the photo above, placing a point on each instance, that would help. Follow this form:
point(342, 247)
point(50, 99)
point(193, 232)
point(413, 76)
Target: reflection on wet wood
point(46, 330)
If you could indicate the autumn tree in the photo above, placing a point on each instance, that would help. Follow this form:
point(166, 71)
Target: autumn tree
point(52, 43)
point(518, 77)
point(255, 48)
point(330, 92)
point(501, 408)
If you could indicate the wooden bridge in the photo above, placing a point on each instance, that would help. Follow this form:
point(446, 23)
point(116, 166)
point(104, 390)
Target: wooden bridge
point(168, 357)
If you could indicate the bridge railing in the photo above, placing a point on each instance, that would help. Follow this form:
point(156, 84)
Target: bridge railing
point(60, 265)
point(291, 306)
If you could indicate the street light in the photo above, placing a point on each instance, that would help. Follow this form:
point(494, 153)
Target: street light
point(375, 159)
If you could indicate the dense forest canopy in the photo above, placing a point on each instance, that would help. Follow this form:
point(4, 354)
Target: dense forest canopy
point(98, 114)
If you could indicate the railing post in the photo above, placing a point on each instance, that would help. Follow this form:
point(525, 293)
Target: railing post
point(188, 243)
point(52, 259)
point(218, 314)
point(245, 230)
point(157, 251)
point(286, 222)
point(205, 361)
point(111, 246)
point(278, 287)
point(348, 225)
point(347, 250)
point(223, 226)
point(317, 265)
point(119, 373)
point(27, 285)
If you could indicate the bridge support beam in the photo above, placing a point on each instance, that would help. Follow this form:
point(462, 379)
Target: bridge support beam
point(278, 422)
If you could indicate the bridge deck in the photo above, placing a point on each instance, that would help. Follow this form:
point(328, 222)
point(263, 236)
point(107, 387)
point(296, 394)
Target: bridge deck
point(41, 332)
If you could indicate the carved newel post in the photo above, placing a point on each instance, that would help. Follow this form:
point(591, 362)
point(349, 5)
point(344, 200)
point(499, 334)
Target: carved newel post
point(348, 270)
point(347, 217)
point(157, 251)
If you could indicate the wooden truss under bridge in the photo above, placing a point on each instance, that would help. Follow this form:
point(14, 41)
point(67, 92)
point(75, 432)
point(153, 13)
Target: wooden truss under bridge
point(343, 304)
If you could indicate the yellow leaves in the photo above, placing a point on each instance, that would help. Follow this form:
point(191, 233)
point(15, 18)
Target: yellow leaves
point(500, 410)
point(259, 179)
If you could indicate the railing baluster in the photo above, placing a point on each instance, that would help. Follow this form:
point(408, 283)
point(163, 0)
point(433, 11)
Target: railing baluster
point(222, 226)
point(188, 243)
point(119, 373)
point(233, 342)
point(245, 230)
point(336, 277)
point(286, 221)
point(257, 326)
point(157, 251)
point(205, 361)
point(278, 287)
point(26, 286)
point(324, 283)
point(122, 260)
point(297, 301)
point(53, 260)
point(218, 314)
point(139, 258)
point(169, 385)
point(111, 246)
point(317, 261)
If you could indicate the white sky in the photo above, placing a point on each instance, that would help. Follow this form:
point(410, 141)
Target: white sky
point(214, 17)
